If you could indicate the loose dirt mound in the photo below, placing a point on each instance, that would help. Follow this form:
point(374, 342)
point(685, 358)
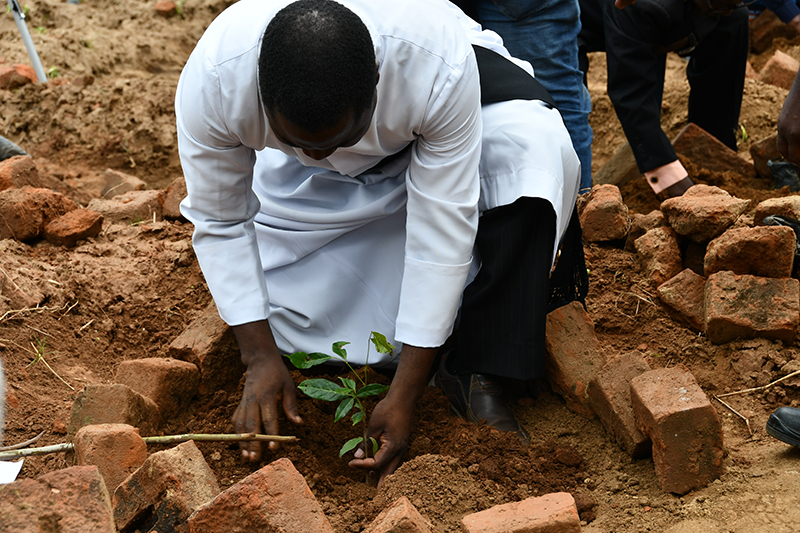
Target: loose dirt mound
point(129, 292)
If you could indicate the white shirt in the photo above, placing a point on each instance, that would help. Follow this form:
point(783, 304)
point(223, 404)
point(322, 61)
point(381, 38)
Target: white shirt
point(428, 95)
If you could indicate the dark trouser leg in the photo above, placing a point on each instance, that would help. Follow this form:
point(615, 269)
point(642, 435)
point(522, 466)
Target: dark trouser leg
point(501, 330)
point(716, 75)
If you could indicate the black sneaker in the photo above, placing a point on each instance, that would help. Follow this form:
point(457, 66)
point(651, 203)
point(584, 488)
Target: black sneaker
point(784, 425)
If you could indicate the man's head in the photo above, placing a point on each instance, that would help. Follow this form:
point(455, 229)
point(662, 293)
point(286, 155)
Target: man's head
point(317, 73)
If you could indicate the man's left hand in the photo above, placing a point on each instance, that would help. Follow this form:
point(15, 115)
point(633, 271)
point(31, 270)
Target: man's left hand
point(390, 426)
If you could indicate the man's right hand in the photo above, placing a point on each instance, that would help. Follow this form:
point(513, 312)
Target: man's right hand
point(267, 383)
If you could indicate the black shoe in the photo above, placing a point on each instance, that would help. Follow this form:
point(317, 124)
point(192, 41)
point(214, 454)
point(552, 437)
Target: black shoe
point(784, 425)
point(476, 397)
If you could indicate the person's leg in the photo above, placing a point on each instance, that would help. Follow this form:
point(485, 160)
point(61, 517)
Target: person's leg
point(544, 33)
point(716, 75)
point(503, 312)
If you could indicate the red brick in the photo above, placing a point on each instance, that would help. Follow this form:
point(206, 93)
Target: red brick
point(703, 212)
point(72, 227)
point(620, 169)
point(551, 513)
point(116, 183)
point(780, 70)
point(166, 8)
point(766, 28)
point(209, 343)
point(133, 207)
point(659, 255)
point(761, 152)
point(274, 498)
point(685, 293)
point(785, 206)
point(749, 306)
point(170, 383)
point(766, 251)
point(174, 195)
point(69, 500)
point(19, 171)
point(750, 72)
point(165, 490)
point(610, 392)
point(671, 408)
point(604, 216)
point(400, 517)
point(25, 212)
point(574, 355)
point(116, 449)
point(640, 224)
point(706, 151)
point(113, 404)
point(16, 76)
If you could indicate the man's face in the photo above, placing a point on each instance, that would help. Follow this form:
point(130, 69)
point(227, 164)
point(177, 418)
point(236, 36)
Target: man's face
point(321, 144)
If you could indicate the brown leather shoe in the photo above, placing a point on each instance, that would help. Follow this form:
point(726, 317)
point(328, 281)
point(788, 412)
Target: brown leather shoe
point(476, 397)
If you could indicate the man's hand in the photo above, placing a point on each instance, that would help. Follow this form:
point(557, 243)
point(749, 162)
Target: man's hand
point(390, 423)
point(267, 382)
point(789, 124)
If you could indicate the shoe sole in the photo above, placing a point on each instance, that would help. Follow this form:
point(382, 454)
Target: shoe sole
point(777, 432)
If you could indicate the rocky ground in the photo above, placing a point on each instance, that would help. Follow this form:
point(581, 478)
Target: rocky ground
point(70, 316)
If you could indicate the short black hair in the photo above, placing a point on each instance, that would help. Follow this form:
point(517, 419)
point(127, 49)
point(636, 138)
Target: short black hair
point(317, 62)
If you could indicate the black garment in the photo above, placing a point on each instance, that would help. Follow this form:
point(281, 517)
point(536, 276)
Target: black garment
point(501, 325)
point(636, 40)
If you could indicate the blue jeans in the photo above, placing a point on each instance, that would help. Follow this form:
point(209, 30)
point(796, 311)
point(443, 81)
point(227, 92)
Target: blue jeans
point(545, 33)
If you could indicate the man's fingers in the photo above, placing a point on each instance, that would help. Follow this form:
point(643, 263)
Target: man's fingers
point(390, 468)
point(269, 418)
point(290, 403)
point(246, 420)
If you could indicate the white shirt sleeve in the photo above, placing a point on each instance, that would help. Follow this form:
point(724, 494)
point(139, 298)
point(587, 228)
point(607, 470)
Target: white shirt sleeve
point(443, 191)
point(220, 202)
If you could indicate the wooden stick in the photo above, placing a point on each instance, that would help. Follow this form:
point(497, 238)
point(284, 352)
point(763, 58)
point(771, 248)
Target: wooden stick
point(756, 389)
point(166, 439)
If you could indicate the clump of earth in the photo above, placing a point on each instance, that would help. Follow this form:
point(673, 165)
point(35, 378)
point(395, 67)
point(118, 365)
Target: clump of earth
point(127, 293)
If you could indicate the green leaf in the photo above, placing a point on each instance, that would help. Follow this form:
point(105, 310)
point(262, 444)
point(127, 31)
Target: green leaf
point(338, 350)
point(374, 446)
point(373, 389)
point(343, 409)
point(344, 391)
point(304, 360)
point(357, 417)
point(321, 389)
point(348, 383)
point(349, 445)
point(381, 344)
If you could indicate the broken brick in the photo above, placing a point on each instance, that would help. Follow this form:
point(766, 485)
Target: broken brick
point(72, 227)
point(26, 211)
point(685, 293)
point(604, 216)
point(116, 449)
point(170, 383)
point(766, 251)
point(703, 212)
point(113, 404)
point(550, 513)
point(659, 255)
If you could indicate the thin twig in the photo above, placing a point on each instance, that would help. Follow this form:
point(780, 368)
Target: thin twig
point(12, 281)
point(21, 444)
point(41, 358)
point(737, 413)
point(36, 309)
point(764, 387)
point(83, 327)
point(38, 331)
point(167, 439)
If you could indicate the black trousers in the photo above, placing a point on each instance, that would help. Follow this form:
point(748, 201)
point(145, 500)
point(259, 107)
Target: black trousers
point(501, 326)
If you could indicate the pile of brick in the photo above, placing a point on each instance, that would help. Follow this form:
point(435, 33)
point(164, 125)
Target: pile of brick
point(116, 485)
point(34, 206)
point(721, 269)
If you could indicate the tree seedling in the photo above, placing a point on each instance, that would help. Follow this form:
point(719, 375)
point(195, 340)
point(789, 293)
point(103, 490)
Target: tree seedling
point(349, 393)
